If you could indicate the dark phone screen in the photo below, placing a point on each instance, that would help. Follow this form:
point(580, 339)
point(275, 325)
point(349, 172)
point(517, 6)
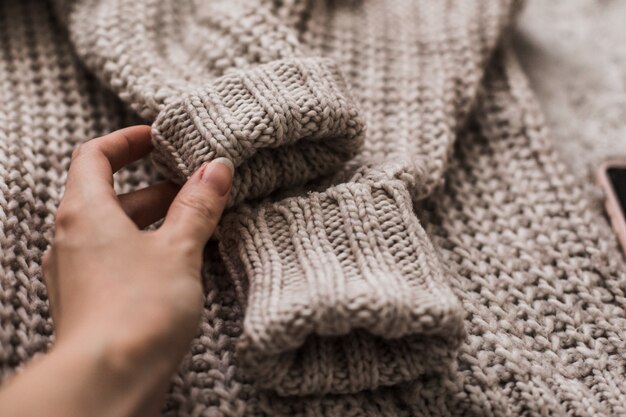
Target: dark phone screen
point(617, 176)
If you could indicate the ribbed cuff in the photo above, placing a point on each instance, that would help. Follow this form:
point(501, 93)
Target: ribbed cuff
point(343, 291)
point(282, 124)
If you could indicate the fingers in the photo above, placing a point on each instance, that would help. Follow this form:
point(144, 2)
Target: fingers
point(125, 145)
point(94, 162)
point(149, 204)
point(89, 190)
point(48, 270)
point(196, 210)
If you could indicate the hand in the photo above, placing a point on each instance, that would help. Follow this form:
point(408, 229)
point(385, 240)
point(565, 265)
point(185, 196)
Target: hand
point(124, 300)
point(114, 284)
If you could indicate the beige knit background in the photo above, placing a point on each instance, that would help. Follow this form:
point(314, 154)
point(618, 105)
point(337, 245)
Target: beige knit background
point(574, 53)
point(537, 274)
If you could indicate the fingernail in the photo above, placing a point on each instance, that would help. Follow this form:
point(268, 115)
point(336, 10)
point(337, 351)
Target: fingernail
point(219, 175)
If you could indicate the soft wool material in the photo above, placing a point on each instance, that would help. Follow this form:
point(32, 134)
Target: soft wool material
point(401, 240)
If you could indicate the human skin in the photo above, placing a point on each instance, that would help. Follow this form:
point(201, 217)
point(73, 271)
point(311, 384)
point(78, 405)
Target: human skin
point(125, 302)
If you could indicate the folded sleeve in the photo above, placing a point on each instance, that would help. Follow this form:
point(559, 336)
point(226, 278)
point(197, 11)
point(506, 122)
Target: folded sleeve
point(282, 124)
point(343, 291)
point(224, 78)
point(342, 288)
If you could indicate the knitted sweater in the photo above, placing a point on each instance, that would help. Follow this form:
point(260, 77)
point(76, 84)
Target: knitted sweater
point(400, 240)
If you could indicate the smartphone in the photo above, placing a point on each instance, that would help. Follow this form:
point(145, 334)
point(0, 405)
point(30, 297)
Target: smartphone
point(612, 178)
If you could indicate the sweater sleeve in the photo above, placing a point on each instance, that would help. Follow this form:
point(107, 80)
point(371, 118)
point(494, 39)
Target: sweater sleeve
point(226, 79)
point(343, 291)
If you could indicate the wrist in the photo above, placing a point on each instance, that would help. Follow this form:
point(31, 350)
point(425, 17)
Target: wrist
point(114, 376)
point(80, 377)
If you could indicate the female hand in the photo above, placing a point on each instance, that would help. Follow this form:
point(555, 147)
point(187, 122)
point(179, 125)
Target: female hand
point(125, 302)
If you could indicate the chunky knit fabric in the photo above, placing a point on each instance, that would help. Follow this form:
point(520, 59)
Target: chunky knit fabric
point(400, 241)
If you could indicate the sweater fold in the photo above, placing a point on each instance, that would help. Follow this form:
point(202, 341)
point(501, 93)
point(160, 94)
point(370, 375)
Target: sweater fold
point(282, 115)
point(282, 124)
point(343, 291)
point(336, 301)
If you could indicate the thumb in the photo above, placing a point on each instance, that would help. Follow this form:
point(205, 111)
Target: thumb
point(197, 208)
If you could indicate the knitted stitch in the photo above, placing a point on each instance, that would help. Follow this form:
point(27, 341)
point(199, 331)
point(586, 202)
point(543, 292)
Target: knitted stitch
point(296, 105)
point(351, 259)
point(439, 262)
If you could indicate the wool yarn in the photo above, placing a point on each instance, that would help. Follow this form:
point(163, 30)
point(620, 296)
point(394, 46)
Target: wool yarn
point(401, 239)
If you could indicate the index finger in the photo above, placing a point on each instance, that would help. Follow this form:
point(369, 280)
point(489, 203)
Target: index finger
point(94, 162)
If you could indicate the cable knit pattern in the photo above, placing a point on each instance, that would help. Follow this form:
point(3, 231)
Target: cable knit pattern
point(401, 240)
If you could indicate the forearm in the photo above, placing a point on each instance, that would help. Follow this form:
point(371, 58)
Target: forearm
point(79, 379)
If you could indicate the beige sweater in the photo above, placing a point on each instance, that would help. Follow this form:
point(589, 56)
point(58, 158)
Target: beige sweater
point(401, 240)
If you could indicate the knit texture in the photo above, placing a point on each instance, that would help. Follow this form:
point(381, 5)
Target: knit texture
point(352, 270)
point(282, 124)
point(401, 239)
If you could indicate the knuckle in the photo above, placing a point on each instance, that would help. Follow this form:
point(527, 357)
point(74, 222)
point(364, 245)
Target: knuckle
point(81, 150)
point(203, 208)
point(188, 248)
point(180, 244)
point(63, 240)
point(84, 149)
point(68, 215)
